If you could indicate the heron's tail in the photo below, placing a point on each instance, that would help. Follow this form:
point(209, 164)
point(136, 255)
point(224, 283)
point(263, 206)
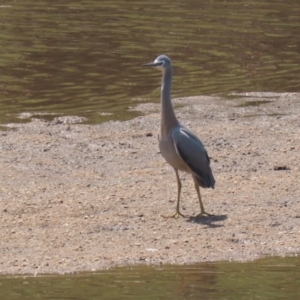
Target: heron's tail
point(205, 180)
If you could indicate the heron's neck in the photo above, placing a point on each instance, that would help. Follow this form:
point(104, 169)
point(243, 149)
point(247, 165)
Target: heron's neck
point(168, 118)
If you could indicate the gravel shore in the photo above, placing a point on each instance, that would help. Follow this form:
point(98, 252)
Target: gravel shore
point(77, 197)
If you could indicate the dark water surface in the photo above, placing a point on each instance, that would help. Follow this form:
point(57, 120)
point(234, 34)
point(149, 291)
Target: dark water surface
point(270, 278)
point(83, 57)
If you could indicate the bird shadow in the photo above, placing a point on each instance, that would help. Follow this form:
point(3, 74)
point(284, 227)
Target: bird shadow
point(209, 221)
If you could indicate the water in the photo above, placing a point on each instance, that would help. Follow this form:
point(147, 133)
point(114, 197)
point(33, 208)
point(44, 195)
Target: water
point(269, 278)
point(83, 57)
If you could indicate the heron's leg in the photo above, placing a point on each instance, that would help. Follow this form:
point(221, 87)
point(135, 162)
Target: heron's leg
point(203, 212)
point(177, 213)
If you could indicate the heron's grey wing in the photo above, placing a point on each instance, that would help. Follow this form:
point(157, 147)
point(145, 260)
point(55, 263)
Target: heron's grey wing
point(193, 153)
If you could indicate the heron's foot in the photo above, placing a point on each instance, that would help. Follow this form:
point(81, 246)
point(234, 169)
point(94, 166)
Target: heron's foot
point(176, 215)
point(202, 214)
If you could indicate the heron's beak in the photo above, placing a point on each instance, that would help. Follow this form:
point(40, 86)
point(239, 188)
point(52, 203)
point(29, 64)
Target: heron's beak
point(152, 64)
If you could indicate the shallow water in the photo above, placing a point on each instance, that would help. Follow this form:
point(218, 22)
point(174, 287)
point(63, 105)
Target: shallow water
point(269, 278)
point(84, 58)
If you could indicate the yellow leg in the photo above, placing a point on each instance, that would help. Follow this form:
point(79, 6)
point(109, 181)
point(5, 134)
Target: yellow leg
point(177, 213)
point(203, 212)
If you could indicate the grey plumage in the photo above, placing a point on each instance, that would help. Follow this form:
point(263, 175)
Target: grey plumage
point(178, 145)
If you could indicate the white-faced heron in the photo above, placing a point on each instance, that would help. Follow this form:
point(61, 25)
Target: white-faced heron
point(179, 146)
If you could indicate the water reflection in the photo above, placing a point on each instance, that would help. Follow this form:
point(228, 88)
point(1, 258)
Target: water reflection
point(270, 278)
point(84, 58)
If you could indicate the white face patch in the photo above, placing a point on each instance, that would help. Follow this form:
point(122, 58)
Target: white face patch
point(161, 66)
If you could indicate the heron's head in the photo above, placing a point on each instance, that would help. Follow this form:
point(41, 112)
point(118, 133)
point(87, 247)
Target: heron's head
point(162, 62)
